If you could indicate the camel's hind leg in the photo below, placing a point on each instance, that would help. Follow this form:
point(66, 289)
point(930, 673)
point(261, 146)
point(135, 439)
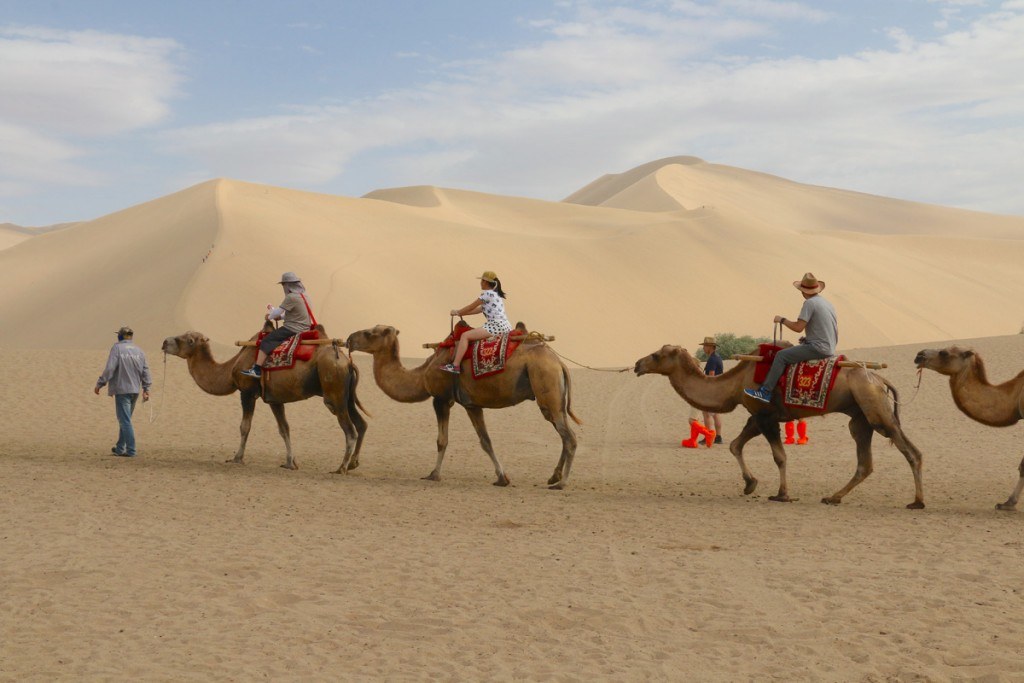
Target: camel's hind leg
point(476, 416)
point(443, 411)
point(1011, 502)
point(248, 408)
point(286, 434)
point(360, 425)
point(560, 476)
point(861, 431)
point(749, 431)
point(554, 398)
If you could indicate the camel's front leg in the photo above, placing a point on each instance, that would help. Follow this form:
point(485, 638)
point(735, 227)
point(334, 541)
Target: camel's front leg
point(248, 408)
point(476, 416)
point(861, 431)
point(1011, 502)
point(282, 428)
point(443, 411)
point(749, 431)
point(769, 426)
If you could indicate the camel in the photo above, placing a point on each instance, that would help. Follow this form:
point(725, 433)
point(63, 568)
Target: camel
point(328, 374)
point(533, 372)
point(994, 405)
point(858, 393)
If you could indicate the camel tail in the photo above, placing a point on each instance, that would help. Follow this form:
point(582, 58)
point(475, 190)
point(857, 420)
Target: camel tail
point(353, 380)
point(895, 400)
point(568, 395)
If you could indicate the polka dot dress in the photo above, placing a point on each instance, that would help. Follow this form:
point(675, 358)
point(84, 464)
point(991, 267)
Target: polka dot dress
point(494, 311)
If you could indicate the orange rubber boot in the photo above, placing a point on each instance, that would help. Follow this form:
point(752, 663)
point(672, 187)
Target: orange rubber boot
point(801, 429)
point(709, 437)
point(789, 433)
point(695, 430)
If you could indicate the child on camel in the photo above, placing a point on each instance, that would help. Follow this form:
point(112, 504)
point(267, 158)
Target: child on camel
point(491, 303)
point(297, 318)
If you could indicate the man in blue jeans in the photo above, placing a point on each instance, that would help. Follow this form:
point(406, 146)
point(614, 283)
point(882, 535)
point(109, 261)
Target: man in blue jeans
point(817, 322)
point(125, 376)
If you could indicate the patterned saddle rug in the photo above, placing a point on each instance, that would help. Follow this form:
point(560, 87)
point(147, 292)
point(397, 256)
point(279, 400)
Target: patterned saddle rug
point(804, 385)
point(488, 355)
point(290, 350)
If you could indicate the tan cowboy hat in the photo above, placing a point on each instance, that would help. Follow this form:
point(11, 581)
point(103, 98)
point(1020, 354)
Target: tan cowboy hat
point(289, 277)
point(709, 340)
point(490, 276)
point(809, 284)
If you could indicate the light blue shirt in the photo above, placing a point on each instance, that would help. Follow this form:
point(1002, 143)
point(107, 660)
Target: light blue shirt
point(127, 371)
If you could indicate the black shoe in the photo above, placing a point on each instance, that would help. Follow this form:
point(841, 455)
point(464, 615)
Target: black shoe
point(718, 439)
point(255, 372)
point(114, 451)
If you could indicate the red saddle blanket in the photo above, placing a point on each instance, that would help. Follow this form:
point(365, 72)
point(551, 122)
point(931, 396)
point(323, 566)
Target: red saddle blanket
point(290, 350)
point(488, 355)
point(804, 385)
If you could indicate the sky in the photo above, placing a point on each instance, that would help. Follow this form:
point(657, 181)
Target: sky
point(108, 103)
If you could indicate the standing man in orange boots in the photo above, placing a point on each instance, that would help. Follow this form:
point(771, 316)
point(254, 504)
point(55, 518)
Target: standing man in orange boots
point(712, 368)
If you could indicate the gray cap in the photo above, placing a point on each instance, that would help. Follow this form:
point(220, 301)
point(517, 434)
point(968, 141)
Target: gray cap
point(289, 277)
point(125, 331)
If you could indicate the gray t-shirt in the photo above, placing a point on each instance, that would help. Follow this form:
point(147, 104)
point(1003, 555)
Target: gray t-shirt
point(296, 317)
point(822, 331)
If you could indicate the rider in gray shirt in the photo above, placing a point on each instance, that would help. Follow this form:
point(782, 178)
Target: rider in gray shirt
point(817, 322)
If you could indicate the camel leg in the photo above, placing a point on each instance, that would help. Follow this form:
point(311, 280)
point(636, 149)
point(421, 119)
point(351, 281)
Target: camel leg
point(286, 434)
point(1011, 502)
point(248, 408)
point(360, 425)
point(861, 431)
point(351, 439)
point(749, 431)
point(561, 423)
point(769, 426)
point(884, 421)
point(476, 416)
point(443, 411)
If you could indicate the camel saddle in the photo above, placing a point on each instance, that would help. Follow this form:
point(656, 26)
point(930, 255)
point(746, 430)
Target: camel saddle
point(488, 355)
point(290, 350)
point(806, 384)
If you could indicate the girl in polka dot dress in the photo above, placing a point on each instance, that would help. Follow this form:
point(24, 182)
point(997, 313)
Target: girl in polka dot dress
point(491, 303)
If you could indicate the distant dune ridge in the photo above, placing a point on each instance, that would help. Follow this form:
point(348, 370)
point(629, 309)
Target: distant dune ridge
point(667, 252)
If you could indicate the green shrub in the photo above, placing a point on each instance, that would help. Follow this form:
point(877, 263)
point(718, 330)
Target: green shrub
point(729, 344)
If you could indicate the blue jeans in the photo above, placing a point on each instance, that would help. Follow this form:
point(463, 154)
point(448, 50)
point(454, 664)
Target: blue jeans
point(124, 405)
point(785, 357)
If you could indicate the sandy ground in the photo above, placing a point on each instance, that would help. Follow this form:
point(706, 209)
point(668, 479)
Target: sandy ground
point(651, 564)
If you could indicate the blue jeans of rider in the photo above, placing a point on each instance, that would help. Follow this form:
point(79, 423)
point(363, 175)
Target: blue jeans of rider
point(124, 405)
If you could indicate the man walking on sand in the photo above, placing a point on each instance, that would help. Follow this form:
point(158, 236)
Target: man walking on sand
point(817, 320)
point(126, 374)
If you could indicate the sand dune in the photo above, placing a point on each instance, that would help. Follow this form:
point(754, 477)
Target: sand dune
point(668, 252)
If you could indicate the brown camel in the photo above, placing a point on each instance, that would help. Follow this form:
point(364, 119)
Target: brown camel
point(328, 374)
point(533, 372)
point(858, 393)
point(994, 405)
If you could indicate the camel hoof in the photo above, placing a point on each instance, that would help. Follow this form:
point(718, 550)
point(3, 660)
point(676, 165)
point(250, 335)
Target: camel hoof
point(502, 481)
point(352, 465)
point(555, 478)
point(750, 486)
point(831, 501)
point(342, 470)
point(1007, 506)
point(780, 499)
point(557, 486)
point(916, 505)
point(235, 461)
point(433, 476)
point(293, 466)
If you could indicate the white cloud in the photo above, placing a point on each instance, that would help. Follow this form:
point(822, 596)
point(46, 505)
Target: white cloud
point(617, 87)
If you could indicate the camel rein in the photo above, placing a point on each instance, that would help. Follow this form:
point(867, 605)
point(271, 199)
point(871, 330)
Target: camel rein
point(154, 411)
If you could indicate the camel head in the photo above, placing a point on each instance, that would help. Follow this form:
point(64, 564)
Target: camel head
point(374, 339)
point(950, 361)
point(664, 361)
point(184, 345)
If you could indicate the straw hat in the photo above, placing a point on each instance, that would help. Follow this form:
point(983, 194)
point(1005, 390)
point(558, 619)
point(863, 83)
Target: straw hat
point(490, 276)
point(289, 277)
point(809, 284)
point(709, 340)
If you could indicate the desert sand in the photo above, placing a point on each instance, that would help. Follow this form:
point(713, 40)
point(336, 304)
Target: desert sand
point(651, 564)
